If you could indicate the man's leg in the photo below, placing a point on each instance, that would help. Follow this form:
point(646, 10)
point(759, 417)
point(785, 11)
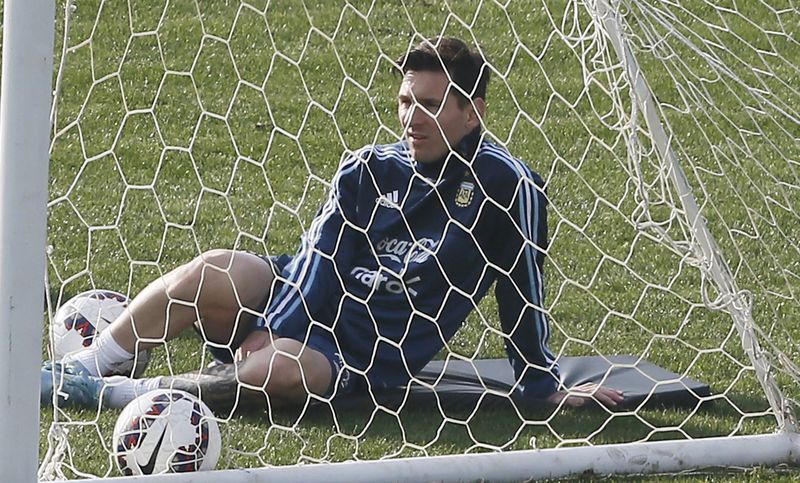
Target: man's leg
point(284, 373)
point(287, 370)
point(214, 288)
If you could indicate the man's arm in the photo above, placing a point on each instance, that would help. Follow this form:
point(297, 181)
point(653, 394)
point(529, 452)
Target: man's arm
point(314, 274)
point(520, 293)
point(520, 298)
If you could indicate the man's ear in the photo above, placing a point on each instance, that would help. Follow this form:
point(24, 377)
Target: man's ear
point(476, 112)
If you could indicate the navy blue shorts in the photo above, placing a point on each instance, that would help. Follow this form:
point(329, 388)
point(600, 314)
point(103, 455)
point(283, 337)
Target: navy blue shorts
point(319, 338)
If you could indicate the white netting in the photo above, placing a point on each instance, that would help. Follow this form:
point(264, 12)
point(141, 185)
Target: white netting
point(182, 126)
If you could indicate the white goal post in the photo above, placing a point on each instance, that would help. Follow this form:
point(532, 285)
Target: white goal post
point(668, 203)
point(28, 30)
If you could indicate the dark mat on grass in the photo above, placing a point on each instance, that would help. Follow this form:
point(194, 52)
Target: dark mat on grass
point(464, 384)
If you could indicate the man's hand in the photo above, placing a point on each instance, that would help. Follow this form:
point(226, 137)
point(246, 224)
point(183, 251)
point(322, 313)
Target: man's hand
point(258, 339)
point(580, 395)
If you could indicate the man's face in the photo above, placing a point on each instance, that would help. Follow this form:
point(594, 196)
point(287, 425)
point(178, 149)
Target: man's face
point(427, 109)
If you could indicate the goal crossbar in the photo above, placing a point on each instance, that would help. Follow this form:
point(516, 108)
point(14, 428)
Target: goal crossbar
point(622, 459)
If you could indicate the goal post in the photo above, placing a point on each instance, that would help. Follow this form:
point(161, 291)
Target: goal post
point(666, 136)
point(28, 29)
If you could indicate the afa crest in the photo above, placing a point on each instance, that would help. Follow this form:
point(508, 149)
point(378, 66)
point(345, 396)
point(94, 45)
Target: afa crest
point(465, 194)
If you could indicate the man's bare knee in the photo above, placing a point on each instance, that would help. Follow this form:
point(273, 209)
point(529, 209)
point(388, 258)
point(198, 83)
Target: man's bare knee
point(245, 278)
point(184, 282)
point(288, 370)
point(232, 288)
point(284, 375)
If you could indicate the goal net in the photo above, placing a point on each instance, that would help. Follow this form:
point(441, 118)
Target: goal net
point(666, 134)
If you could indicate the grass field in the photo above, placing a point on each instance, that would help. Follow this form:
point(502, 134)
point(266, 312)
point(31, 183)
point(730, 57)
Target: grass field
point(184, 126)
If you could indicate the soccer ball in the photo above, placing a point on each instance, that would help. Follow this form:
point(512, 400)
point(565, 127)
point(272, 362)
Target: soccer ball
point(82, 317)
point(166, 431)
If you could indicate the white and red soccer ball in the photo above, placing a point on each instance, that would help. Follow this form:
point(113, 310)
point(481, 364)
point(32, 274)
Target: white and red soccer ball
point(166, 431)
point(80, 319)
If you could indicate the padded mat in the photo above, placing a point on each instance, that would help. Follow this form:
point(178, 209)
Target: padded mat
point(463, 384)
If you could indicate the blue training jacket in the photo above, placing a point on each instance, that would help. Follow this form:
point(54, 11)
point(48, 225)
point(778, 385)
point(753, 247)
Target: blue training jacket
point(402, 252)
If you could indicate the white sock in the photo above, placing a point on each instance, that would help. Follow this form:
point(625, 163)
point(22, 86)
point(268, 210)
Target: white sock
point(103, 356)
point(123, 390)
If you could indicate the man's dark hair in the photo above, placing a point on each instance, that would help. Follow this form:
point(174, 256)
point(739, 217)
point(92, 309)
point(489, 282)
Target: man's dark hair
point(453, 56)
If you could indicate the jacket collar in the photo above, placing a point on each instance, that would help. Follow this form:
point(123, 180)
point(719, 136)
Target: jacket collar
point(466, 148)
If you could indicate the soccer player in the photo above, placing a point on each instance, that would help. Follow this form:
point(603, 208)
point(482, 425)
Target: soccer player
point(412, 236)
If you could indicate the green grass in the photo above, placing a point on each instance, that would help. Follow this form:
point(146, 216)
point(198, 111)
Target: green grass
point(186, 126)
